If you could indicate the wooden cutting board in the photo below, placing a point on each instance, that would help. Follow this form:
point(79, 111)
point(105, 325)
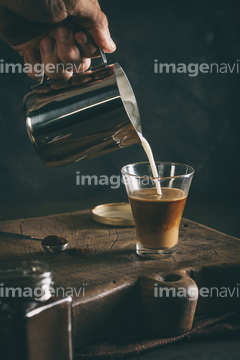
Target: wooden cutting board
point(119, 285)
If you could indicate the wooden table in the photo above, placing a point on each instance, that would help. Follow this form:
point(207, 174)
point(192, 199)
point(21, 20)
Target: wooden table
point(111, 273)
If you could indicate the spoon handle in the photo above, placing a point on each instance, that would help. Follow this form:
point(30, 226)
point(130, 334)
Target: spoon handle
point(18, 236)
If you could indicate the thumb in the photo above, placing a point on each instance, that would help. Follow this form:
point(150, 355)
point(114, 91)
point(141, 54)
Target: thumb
point(89, 16)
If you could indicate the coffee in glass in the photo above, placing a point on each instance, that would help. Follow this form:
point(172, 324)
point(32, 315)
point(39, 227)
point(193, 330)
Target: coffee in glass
point(157, 217)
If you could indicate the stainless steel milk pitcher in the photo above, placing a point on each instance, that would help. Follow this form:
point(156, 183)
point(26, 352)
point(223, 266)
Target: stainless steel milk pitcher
point(96, 114)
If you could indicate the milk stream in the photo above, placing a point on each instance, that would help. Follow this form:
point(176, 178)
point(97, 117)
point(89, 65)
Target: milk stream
point(148, 151)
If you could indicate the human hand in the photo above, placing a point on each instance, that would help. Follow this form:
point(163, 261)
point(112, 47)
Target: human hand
point(55, 32)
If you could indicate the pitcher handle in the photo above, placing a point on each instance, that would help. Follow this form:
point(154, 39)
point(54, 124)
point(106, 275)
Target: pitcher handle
point(103, 61)
point(103, 64)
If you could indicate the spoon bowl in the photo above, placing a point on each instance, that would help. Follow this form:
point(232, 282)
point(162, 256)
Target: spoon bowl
point(55, 249)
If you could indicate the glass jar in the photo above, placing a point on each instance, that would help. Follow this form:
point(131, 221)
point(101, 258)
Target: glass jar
point(34, 324)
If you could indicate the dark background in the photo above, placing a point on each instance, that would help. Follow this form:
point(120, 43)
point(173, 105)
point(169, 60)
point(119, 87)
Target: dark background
point(194, 120)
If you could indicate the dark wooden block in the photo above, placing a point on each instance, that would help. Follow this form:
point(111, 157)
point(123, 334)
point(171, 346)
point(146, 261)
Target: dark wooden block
point(117, 282)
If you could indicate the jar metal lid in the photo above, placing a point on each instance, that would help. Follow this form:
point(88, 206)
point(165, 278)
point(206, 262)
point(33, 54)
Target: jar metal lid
point(26, 280)
point(116, 214)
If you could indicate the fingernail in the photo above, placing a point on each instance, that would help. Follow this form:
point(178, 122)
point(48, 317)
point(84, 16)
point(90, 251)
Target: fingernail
point(111, 43)
point(63, 34)
point(47, 45)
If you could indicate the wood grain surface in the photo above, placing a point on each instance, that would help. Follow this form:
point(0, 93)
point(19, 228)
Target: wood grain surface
point(111, 273)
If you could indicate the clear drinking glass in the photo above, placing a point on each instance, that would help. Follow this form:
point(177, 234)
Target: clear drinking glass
point(157, 217)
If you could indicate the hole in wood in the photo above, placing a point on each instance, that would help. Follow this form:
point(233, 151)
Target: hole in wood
point(172, 277)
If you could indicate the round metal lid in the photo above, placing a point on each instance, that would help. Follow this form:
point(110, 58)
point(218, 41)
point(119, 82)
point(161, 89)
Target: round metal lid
point(116, 214)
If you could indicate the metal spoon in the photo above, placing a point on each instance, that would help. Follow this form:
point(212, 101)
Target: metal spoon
point(55, 249)
point(18, 236)
point(50, 249)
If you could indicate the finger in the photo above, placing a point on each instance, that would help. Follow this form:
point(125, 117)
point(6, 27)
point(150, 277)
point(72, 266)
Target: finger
point(52, 67)
point(87, 47)
point(67, 49)
point(96, 3)
point(33, 64)
point(91, 18)
point(85, 65)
